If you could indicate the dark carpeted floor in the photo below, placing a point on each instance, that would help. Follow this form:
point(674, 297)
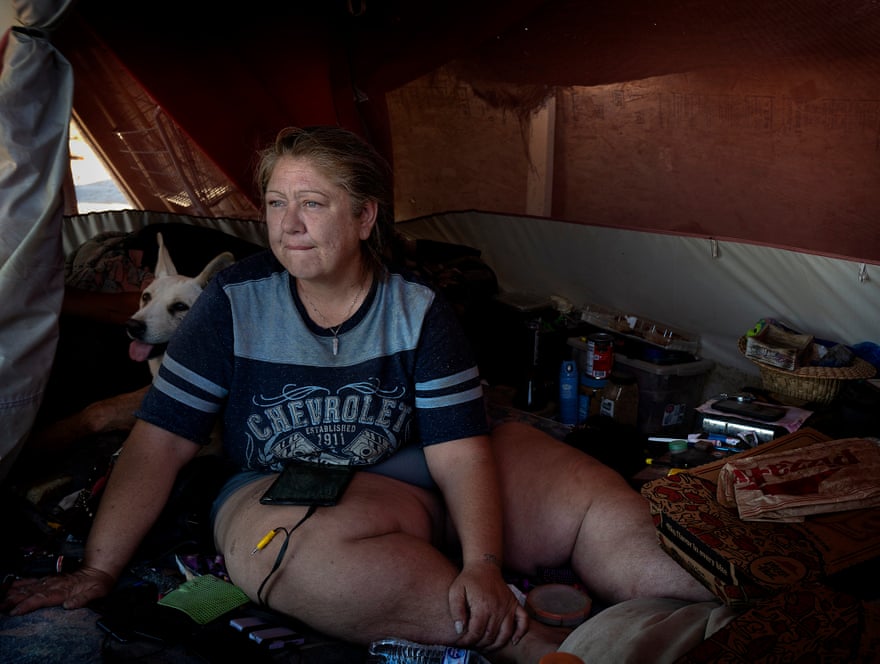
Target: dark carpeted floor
point(56, 635)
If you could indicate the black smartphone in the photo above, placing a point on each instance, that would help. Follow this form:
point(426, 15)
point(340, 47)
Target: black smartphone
point(303, 483)
point(751, 409)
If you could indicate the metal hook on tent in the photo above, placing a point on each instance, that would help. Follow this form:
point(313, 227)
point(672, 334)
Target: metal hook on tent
point(713, 248)
point(863, 272)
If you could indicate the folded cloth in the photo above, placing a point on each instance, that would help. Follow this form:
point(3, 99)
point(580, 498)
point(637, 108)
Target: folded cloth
point(787, 486)
point(653, 629)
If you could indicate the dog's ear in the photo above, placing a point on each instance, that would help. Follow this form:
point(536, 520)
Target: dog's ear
point(164, 266)
point(223, 260)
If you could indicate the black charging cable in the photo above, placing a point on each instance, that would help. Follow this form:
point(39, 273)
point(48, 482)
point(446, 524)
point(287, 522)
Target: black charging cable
point(268, 538)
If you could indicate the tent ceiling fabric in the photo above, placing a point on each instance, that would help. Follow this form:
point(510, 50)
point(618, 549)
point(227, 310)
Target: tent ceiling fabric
point(229, 77)
point(552, 42)
point(571, 42)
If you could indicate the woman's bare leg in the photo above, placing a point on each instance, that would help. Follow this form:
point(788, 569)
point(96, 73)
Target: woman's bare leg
point(564, 507)
point(370, 567)
point(361, 570)
point(364, 569)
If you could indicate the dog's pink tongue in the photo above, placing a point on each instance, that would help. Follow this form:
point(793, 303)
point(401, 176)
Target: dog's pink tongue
point(139, 351)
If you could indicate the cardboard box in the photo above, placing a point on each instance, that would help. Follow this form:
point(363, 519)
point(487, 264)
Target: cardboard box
point(745, 562)
point(779, 348)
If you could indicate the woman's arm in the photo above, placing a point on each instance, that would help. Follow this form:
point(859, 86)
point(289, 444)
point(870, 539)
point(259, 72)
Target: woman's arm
point(136, 493)
point(139, 486)
point(465, 472)
point(487, 612)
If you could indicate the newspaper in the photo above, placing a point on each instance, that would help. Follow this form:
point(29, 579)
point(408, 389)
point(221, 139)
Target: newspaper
point(787, 486)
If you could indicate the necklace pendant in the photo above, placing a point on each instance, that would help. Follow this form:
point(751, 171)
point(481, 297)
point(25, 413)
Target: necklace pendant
point(335, 345)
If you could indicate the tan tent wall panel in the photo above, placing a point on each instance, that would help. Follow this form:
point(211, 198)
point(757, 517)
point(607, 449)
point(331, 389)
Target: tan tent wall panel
point(785, 155)
point(452, 150)
point(715, 289)
point(782, 156)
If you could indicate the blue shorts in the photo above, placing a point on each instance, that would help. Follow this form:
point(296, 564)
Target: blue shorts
point(407, 465)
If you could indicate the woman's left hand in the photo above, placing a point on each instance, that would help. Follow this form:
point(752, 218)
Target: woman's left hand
point(485, 608)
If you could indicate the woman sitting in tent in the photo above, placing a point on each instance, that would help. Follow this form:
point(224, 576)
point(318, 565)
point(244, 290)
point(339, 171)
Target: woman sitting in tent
point(319, 354)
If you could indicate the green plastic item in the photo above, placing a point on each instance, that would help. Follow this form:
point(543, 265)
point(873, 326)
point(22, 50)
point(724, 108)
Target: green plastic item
point(205, 598)
point(677, 446)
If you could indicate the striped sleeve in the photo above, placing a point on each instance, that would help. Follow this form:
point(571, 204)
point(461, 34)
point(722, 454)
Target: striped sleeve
point(449, 394)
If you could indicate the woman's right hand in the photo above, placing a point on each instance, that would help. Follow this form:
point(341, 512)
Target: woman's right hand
point(72, 590)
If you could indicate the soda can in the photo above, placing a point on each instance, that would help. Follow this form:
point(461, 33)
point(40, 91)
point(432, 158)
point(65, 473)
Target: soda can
point(600, 354)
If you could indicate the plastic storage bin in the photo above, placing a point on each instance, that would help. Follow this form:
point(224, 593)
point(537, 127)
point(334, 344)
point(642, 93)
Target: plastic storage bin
point(668, 393)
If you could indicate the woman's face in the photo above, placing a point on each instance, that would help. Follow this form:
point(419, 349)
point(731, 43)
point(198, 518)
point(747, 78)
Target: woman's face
point(312, 229)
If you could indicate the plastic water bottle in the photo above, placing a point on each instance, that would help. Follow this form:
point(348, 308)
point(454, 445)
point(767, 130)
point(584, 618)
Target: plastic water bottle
point(401, 651)
point(568, 393)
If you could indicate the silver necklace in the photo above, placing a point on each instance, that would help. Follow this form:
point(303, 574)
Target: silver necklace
point(335, 330)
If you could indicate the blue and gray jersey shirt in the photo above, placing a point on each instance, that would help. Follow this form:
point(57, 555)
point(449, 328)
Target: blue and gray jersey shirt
point(247, 351)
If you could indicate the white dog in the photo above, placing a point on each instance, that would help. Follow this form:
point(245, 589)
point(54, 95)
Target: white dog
point(164, 303)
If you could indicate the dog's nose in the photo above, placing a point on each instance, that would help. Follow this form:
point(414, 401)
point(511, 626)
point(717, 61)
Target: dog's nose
point(135, 328)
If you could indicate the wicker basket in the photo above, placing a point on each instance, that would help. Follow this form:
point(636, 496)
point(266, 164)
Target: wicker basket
point(816, 384)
